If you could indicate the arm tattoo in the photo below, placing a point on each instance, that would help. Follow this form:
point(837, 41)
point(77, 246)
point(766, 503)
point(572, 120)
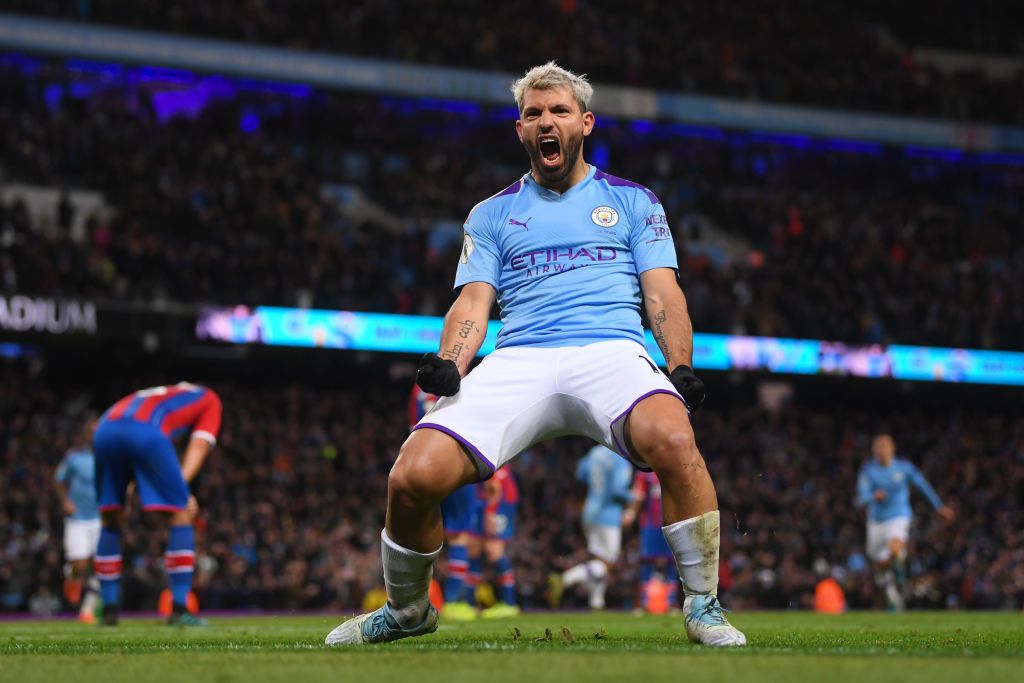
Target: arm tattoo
point(466, 328)
point(659, 334)
point(452, 354)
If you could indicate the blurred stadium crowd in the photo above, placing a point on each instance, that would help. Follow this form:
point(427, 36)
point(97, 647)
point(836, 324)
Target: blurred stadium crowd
point(256, 197)
point(292, 501)
point(825, 53)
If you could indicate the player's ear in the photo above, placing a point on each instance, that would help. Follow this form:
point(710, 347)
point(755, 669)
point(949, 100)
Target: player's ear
point(588, 122)
point(519, 129)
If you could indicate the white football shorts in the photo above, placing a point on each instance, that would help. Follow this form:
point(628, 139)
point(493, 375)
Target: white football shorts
point(519, 396)
point(80, 538)
point(880, 533)
point(603, 542)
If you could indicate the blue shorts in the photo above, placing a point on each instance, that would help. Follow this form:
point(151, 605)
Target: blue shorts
point(127, 450)
point(460, 511)
point(653, 544)
point(504, 522)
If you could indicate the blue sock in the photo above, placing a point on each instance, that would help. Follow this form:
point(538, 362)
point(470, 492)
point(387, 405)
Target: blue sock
point(455, 576)
point(476, 565)
point(506, 580)
point(108, 565)
point(180, 561)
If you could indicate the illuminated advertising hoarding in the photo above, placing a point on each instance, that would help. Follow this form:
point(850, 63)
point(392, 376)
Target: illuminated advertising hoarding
point(275, 326)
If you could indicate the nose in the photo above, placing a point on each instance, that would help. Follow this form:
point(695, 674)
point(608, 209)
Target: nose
point(546, 121)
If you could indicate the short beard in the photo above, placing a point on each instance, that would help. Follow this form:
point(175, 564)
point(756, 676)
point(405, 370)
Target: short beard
point(570, 153)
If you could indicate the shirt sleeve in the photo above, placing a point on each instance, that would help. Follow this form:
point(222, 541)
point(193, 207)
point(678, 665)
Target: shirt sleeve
point(480, 260)
point(207, 427)
point(623, 483)
point(581, 470)
point(918, 480)
point(863, 489)
point(650, 238)
point(63, 474)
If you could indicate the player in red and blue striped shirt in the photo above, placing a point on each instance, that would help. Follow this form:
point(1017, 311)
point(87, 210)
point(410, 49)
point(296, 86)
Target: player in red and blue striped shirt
point(134, 441)
point(655, 554)
point(500, 504)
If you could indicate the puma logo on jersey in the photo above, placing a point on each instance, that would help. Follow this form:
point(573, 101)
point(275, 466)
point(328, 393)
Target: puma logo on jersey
point(513, 221)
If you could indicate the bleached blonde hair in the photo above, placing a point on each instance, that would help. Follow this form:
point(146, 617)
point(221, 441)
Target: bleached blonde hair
point(550, 75)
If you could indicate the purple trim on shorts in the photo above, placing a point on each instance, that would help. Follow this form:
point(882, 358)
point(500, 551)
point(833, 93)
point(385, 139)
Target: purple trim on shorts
point(615, 181)
point(458, 437)
point(621, 446)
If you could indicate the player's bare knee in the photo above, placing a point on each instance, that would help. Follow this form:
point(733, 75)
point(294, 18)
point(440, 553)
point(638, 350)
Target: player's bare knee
point(110, 519)
point(671, 449)
point(413, 483)
point(180, 518)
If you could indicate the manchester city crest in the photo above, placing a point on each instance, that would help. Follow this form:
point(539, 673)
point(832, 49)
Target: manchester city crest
point(605, 216)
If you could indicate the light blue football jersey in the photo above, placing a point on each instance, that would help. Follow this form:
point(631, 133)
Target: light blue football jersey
point(77, 471)
point(566, 265)
point(608, 478)
point(895, 480)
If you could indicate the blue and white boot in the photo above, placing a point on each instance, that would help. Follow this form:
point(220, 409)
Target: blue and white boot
point(379, 626)
point(706, 623)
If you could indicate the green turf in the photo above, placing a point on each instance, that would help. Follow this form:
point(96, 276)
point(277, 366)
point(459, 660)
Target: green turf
point(559, 647)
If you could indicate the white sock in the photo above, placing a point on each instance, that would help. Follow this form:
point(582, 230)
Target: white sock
point(597, 589)
point(574, 575)
point(407, 576)
point(584, 571)
point(694, 542)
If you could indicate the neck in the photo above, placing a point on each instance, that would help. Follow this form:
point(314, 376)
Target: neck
point(576, 176)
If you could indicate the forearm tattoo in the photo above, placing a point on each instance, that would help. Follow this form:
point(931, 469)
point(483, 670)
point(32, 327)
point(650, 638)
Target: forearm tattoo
point(659, 334)
point(465, 329)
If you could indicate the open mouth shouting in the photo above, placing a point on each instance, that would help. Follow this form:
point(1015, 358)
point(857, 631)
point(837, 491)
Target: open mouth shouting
point(550, 151)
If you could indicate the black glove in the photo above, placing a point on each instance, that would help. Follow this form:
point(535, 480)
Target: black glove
point(438, 376)
point(690, 386)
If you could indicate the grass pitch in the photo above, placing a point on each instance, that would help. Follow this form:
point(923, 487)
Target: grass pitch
point(536, 647)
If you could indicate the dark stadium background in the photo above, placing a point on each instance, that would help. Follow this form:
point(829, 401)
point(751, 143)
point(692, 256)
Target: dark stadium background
point(218, 201)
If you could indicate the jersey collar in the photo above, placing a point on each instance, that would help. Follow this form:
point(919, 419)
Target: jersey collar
point(548, 193)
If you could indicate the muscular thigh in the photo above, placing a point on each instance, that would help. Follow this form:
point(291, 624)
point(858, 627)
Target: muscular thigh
point(435, 460)
point(658, 421)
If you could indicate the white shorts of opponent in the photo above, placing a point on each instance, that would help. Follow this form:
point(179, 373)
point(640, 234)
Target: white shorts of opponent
point(880, 533)
point(519, 396)
point(603, 542)
point(80, 538)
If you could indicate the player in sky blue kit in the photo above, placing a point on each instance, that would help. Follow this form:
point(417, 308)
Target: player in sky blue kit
point(884, 487)
point(608, 478)
point(571, 254)
point(133, 441)
point(76, 478)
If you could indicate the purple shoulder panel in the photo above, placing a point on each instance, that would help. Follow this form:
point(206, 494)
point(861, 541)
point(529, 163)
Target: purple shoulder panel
point(615, 181)
point(511, 189)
